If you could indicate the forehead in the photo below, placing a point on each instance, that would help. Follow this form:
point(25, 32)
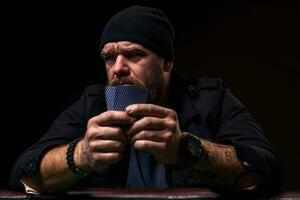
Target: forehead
point(122, 45)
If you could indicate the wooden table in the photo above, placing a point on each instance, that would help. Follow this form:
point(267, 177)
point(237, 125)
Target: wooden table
point(141, 194)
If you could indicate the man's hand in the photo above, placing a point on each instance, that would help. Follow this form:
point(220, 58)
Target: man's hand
point(157, 131)
point(104, 141)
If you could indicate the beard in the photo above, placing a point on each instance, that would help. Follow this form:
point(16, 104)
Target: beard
point(153, 85)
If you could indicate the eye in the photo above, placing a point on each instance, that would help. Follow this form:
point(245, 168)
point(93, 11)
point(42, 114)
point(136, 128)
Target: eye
point(134, 55)
point(108, 58)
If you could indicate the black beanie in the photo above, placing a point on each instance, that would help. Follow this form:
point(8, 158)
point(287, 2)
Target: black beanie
point(146, 26)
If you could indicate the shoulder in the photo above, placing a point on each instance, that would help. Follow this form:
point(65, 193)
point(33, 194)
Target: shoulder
point(204, 82)
point(193, 84)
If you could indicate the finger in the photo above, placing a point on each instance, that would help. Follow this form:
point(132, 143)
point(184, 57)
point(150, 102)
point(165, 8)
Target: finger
point(107, 146)
point(106, 133)
point(146, 123)
point(149, 146)
point(106, 158)
point(114, 118)
point(153, 135)
point(147, 110)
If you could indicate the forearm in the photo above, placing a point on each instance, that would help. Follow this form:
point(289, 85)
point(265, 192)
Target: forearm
point(220, 168)
point(53, 175)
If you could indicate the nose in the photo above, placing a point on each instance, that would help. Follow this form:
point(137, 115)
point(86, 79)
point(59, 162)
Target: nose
point(121, 67)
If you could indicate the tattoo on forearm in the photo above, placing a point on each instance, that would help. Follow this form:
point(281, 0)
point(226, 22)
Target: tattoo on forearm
point(219, 164)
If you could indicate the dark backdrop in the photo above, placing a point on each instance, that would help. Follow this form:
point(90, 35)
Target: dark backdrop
point(50, 54)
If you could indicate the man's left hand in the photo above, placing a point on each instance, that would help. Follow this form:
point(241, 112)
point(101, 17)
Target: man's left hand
point(157, 131)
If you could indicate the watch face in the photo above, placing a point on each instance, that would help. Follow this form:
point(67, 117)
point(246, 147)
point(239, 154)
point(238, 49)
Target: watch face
point(191, 151)
point(195, 147)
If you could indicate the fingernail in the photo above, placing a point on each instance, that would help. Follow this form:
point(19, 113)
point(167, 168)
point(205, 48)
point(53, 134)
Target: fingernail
point(128, 109)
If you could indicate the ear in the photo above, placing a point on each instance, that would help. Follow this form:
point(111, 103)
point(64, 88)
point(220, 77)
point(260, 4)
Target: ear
point(167, 65)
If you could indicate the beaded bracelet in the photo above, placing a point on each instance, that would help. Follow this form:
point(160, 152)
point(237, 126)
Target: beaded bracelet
point(70, 161)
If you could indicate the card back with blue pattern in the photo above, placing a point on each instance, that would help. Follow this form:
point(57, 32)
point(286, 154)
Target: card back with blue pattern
point(120, 96)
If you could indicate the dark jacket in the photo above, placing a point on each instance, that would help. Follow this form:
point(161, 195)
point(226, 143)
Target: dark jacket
point(204, 107)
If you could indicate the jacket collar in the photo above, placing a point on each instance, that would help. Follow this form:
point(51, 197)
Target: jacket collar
point(182, 90)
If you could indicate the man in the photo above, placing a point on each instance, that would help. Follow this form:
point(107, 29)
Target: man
point(192, 133)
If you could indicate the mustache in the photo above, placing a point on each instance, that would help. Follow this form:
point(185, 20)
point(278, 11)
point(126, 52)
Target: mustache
point(122, 80)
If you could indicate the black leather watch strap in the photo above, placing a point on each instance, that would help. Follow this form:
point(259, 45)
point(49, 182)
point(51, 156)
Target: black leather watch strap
point(70, 160)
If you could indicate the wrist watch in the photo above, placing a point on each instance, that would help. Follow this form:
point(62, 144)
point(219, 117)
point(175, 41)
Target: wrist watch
point(191, 151)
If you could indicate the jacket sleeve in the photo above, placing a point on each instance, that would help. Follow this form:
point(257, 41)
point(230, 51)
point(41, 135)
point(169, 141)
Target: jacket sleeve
point(68, 126)
point(254, 151)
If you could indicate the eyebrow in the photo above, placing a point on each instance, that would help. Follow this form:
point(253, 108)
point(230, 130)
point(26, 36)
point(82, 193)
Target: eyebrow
point(124, 50)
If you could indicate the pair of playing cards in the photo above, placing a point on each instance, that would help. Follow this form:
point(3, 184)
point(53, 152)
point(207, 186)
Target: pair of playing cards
point(120, 96)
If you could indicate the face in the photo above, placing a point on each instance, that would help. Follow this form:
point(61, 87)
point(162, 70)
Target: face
point(128, 63)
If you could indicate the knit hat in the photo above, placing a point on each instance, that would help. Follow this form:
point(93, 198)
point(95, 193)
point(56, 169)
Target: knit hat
point(146, 26)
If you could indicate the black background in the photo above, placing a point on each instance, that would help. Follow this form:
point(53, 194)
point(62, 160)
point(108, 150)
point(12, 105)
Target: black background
point(49, 55)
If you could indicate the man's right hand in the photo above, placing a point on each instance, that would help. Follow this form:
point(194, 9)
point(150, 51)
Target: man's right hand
point(104, 141)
